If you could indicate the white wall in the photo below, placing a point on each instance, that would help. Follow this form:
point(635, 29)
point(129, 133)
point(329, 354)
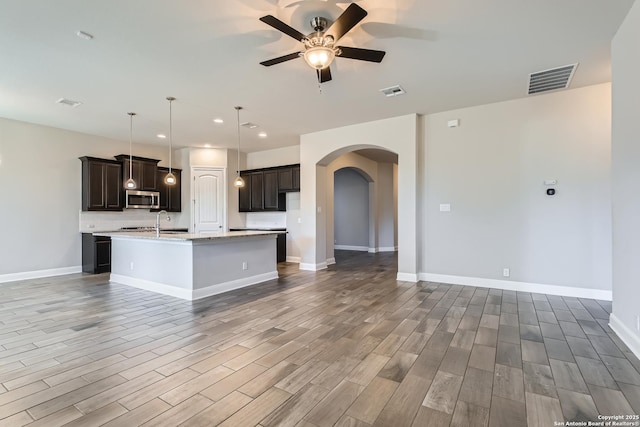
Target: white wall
point(40, 188)
point(387, 207)
point(276, 157)
point(491, 171)
point(351, 210)
point(626, 179)
point(293, 227)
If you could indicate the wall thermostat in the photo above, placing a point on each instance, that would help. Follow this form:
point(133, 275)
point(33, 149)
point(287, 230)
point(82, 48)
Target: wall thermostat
point(551, 191)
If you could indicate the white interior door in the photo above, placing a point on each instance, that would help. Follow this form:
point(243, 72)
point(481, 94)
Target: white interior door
point(208, 200)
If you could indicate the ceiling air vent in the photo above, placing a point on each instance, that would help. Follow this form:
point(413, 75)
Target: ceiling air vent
point(393, 91)
point(249, 125)
point(556, 78)
point(68, 102)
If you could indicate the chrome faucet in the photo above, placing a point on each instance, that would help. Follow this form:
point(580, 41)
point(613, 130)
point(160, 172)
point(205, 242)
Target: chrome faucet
point(157, 225)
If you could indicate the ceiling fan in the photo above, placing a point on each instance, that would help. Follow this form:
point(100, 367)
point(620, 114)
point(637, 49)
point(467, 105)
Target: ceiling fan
point(320, 46)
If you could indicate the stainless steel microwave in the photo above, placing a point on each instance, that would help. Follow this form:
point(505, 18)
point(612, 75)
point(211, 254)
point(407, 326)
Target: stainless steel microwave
point(142, 199)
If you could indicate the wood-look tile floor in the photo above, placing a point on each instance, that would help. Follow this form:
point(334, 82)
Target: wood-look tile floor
point(349, 346)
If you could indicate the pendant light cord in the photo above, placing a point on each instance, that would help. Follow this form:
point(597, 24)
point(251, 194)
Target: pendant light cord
point(170, 134)
point(238, 121)
point(130, 144)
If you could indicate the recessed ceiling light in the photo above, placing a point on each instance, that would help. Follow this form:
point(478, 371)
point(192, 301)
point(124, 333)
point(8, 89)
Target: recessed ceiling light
point(161, 136)
point(207, 145)
point(84, 35)
point(218, 121)
point(68, 102)
point(262, 134)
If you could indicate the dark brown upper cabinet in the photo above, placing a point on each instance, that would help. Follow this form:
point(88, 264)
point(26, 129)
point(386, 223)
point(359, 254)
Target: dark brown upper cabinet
point(289, 178)
point(144, 172)
point(170, 195)
point(265, 189)
point(270, 190)
point(257, 192)
point(101, 185)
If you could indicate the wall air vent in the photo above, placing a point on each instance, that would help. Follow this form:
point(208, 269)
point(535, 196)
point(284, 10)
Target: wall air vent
point(68, 102)
point(556, 78)
point(249, 125)
point(393, 91)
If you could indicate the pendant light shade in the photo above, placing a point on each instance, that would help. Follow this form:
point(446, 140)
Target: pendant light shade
point(238, 182)
point(170, 178)
point(131, 183)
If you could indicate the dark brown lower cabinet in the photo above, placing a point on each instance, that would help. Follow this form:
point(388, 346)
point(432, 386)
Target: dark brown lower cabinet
point(281, 247)
point(96, 253)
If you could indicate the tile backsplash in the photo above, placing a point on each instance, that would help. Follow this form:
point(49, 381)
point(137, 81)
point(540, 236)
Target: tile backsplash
point(91, 222)
point(266, 220)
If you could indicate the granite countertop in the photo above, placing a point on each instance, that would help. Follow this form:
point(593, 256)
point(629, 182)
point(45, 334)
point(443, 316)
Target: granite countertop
point(179, 236)
point(260, 228)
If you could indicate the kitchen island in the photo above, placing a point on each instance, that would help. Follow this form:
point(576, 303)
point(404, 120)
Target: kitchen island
point(192, 266)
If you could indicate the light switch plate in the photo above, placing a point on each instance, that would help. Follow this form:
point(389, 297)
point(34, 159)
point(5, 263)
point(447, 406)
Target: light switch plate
point(446, 207)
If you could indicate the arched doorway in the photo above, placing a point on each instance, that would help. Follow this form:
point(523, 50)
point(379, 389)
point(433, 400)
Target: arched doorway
point(398, 135)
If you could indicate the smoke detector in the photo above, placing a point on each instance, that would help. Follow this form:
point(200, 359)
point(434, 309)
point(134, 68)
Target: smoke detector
point(249, 125)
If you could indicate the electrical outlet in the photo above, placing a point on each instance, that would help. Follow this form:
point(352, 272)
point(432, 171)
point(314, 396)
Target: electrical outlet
point(91, 226)
point(245, 265)
point(506, 272)
point(131, 266)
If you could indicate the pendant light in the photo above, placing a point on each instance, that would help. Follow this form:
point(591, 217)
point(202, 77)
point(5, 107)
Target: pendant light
point(130, 184)
point(170, 179)
point(238, 182)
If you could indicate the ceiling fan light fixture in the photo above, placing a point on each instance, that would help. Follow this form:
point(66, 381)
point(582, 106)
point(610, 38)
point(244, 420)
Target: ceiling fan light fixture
point(319, 57)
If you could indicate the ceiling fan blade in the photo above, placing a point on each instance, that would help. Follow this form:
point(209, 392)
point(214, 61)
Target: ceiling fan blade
point(349, 18)
point(280, 59)
point(281, 26)
point(324, 75)
point(361, 54)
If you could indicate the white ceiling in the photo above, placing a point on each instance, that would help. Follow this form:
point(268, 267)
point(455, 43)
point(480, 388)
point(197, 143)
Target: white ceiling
point(445, 54)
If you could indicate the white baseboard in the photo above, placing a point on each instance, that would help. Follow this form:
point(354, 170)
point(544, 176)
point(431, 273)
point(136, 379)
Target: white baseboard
point(351, 248)
point(331, 261)
point(294, 259)
point(630, 338)
point(312, 267)
point(388, 249)
point(510, 285)
point(365, 248)
point(189, 294)
point(407, 277)
point(37, 274)
point(233, 284)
